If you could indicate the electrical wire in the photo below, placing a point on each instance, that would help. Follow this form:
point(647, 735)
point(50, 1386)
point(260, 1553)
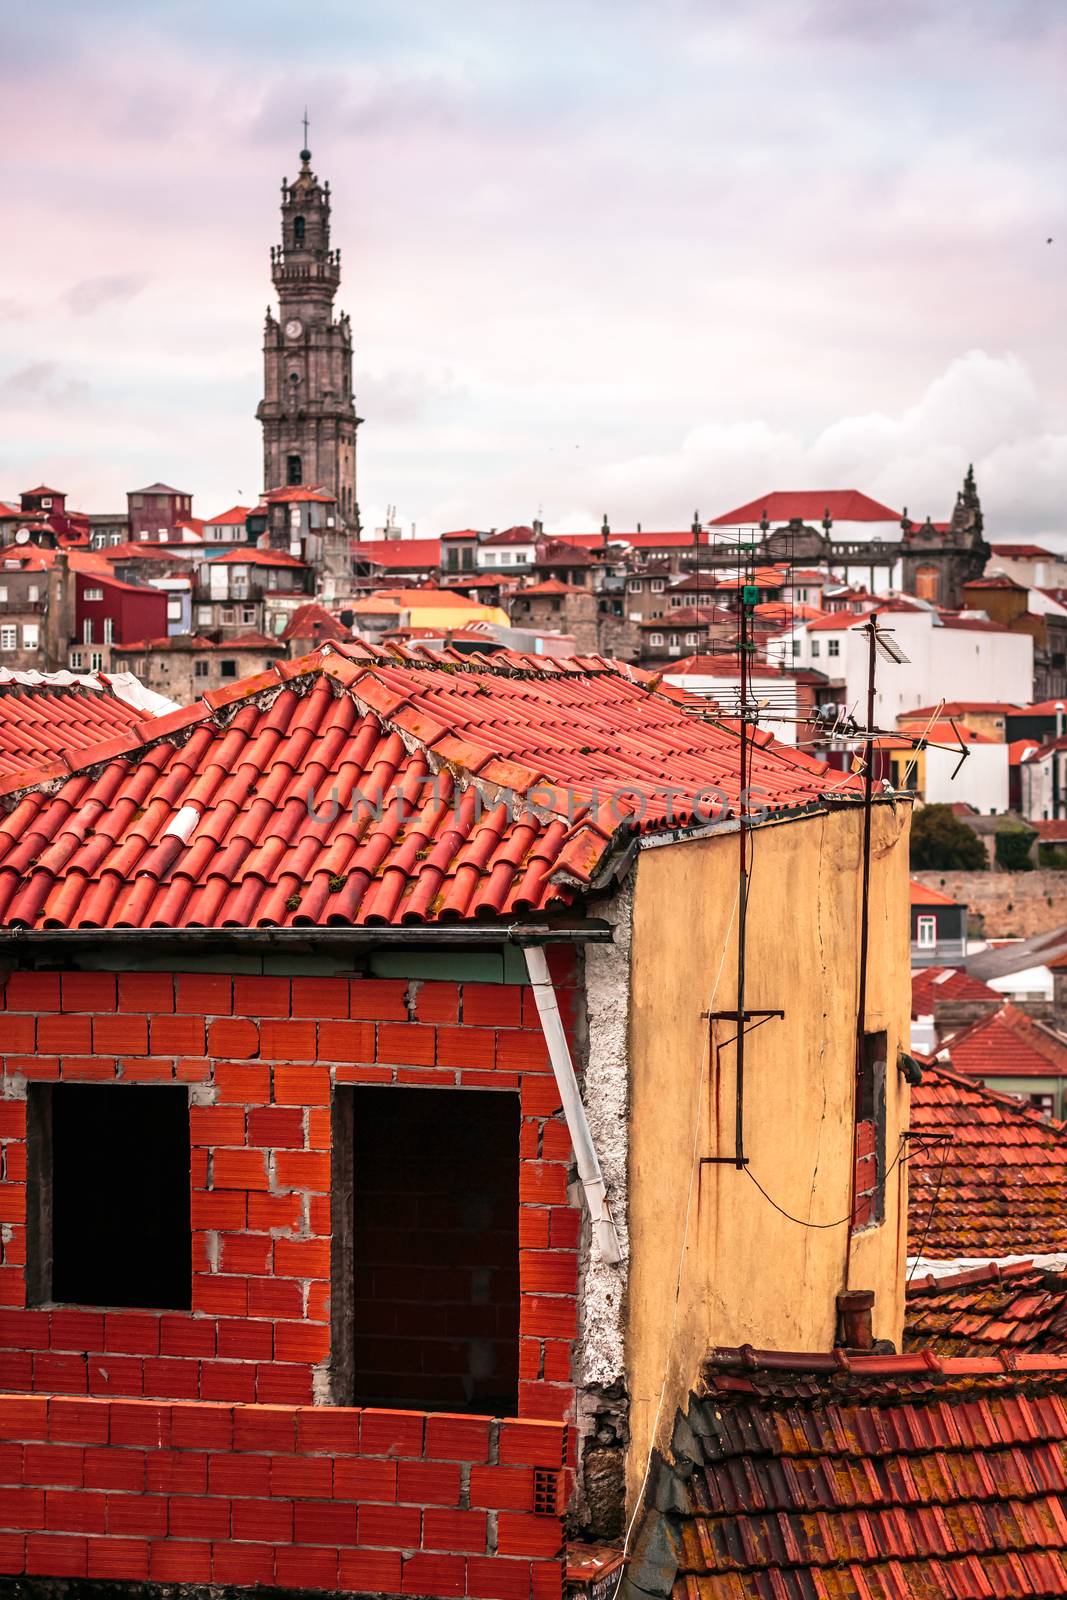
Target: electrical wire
point(800, 1221)
point(930, 1213)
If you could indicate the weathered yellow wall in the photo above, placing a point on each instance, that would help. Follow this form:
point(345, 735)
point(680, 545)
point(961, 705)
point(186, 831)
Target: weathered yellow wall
point(750, 1276)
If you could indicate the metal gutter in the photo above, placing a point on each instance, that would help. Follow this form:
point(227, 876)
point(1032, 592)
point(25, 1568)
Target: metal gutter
point(311, 938)
point(573, 1110)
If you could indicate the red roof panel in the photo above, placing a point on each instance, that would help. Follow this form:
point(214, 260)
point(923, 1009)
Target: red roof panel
point(810, 505)
point(285, 774)
point(978, 1312)
point(40, 722)
point(840, 1476)
point(1000, 1181)
point(933, 986)
point(1008, 1044)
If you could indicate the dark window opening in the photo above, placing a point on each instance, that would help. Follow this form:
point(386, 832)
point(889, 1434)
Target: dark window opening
point(870, 1174)
point(433, 1193)
point(227, 669)
point(294, 470)
point(298, 231)
point(108, 1201)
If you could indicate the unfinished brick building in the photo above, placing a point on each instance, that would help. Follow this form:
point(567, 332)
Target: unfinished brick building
point(317, 1269)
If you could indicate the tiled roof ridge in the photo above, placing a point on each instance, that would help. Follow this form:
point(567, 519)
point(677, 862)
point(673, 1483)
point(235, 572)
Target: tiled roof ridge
point(146, 734)
point(968, 1277)
point(741, 1359)
point(993, 1097)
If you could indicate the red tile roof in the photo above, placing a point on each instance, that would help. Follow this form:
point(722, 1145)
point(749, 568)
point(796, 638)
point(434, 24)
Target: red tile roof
point(810, 505)
point(920, 894)
point(203, 818)
point(1023, 551)
point(1003, 1173)
point(313, 621)
point(1008, 1044)
point(234, 517)
point(297, 494)
point(507, 536)
point(1019, 1306)
point(1050, 830)
point(253, 556)
point(1041, 708)
point(550, 586)
point(687, 616)
point(933, 986)
point(39, 722)
point(996, 580)
point(959, 708)
point(400, 555)
point(839, 1476)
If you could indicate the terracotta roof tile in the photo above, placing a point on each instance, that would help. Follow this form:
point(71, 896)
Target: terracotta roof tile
point(922, 895)
point(810, 505)
point(834, 1476)
point(1003, 1188)
point(276, 766)
point(933, 986)
point(1008, 1044)
point(1020, 1306)
point(39, 722)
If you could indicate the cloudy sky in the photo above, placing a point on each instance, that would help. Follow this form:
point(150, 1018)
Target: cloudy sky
point(600, 255)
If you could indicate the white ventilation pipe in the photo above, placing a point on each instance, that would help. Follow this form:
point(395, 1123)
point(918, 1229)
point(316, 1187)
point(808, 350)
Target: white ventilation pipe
point(582, 1140)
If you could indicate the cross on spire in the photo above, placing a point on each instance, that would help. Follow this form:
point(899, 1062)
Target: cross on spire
point(305, 154)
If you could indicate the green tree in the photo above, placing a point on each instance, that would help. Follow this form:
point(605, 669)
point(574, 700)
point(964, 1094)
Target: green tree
point(1013, 841)
point(940, 842)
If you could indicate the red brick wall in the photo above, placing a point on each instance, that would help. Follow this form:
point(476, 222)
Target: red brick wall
point(270, 1050)
point(298, 1497)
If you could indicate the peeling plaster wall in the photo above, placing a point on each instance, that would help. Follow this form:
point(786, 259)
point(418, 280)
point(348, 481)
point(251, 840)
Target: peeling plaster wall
point(600, 1354)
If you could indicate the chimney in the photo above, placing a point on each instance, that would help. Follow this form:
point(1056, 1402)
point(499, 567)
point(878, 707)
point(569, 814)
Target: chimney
point(695, 527)
point(59, 613)
point(1061, 713)
point(605, 531)
point(855, 1329)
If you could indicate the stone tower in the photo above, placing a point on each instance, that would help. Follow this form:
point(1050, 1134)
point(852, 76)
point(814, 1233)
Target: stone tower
point(937, 562)
point(308, 411)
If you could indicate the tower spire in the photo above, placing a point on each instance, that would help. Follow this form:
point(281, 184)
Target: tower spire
point(305, 154)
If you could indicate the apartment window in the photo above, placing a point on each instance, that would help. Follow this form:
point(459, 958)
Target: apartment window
point(108, 1195)
point(31, 635)
point(93, 594)
point(3, 591)
point(9, 637)
point(926, 932)
point(468, 559)
point(869, 1137)
point(796, 647)
point(228, 614)
point(201, 669)
point(692, 638)
point(138, 666)
point(453, 559)
point(417, 1334)
point(655, 638)
point(677, 600)
point(96, 660)
point(46, 502)
point(657, 585)
point(505, 558)
point(33, 594)
point(228, 669)
point(833, 647)
point(87, 630)
point(116, 538)
point(801, 595)
point(634, 586)
point(248, 613)
point(75, 660)
point(109, 630)
point(203, 615)
point(174, 611)
point(814, 648)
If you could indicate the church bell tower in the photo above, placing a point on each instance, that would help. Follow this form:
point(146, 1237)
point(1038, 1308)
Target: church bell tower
point(308, 411)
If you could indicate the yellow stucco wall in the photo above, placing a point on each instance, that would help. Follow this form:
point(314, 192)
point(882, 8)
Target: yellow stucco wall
point(748, 1274)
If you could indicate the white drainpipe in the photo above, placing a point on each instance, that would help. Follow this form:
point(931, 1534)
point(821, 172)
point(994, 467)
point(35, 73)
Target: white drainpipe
point(581, 1139)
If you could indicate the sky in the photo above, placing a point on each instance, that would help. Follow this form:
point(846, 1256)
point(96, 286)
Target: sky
point(600, 256)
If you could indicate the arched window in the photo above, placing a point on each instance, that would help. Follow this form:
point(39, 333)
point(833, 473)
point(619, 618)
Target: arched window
point(298, 231)
point(294, 472)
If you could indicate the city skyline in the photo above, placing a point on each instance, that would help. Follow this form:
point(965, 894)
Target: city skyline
point(596, 260)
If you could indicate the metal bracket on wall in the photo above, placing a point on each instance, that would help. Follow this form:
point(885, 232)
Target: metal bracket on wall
point(741, 1019)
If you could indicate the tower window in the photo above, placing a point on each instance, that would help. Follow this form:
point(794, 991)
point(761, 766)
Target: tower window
point(294, 472)
point(298, 231)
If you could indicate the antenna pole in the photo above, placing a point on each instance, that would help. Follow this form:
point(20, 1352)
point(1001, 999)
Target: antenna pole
point(744, 611)
point(871, 631)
